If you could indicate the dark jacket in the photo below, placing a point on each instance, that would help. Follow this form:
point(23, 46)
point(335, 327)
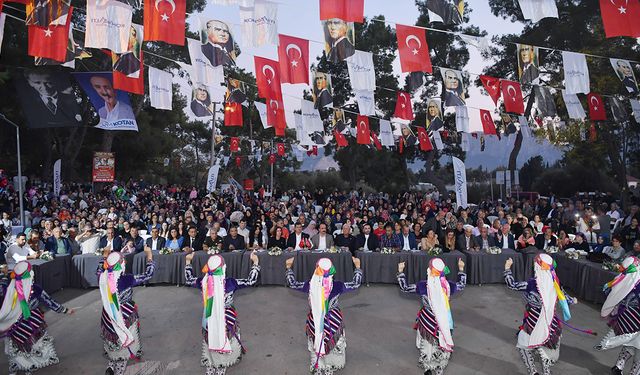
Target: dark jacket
point(341, 51)
point(51, 245)
point(342, 241)
point(117, 243)
point(291, 241)
point(138, 243)
point(195, 244)
point(160, 245)
point(238, 243)
point(461, 243)
point(490, 239)
point(273, 242)
point(372, 244)
point(540, 241)
point(512, 241)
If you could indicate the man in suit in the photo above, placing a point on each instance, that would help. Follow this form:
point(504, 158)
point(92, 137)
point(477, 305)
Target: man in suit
point(297, 240)
point(453, 89)
point(193, 241)
point(134, 239)
point(433, 223)
point(321, 92)
point(233, 241)
point(528, 70)
point(466, 241)
point(484, 239)
point(408, 239)
point(625, 73)
point(504, 239)
point(110, 241)
point(346, 240)
point(155, 242)
point(128, 62)
point(219, 47)
point(50, 104)
point(367, 240)
point(544, 101)
point(339, 45)
point(56, 244)
point(322, 240)
point(545, 239)
point(235, 94)
point(201, 105)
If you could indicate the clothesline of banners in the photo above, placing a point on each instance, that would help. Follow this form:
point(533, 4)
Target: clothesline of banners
point(360, 65)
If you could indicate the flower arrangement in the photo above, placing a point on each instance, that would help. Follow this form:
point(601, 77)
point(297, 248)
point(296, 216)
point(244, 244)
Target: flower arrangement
point(334, 250)
point(494, 250)
point(434, 251)
point(387, 250)
point(98, 252)
point(573, 255)
point(213, 251)
point(552, 249)
point(46, 256)
point(165, 251)
point(611, 265)
point(275, 251)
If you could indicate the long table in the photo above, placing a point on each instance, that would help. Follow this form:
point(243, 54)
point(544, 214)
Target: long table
point(583, 277)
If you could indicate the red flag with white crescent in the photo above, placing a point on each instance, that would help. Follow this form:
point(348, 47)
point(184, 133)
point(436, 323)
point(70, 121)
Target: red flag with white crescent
point(620, 17)
point(238, 161)
point(341, 140)
point(272, 159)
point(275, 115)
point(512, 95)
point(376, 141)
point(596, 107)
point(49, 42)
point(165, 20)
point(404, 110)
point(413, 49)
point(363, 137)
point(235, 144)
point(492, 85)
point(488, 126)
point(280, 147)
point(233, 114)
point(268, 78)
point(423, 138)
point(293, 54)
point(347, 10)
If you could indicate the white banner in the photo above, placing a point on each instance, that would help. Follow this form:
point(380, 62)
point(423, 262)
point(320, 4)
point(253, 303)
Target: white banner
point(460, 179)
point(576, 73)
point(311, 122)
point(462, 119)
point(366, 102)
point(480, 42)
point(535, 10)
point(525, 129)
point(465, 142)
point(437, 140)
point(212, 178)
point(259, 24)
point(301, 136)
point(160, 88)
point(361, 71)
point(386, 133)
point(57, 177)
point(108, 25)
point(635, 108)
point(574, 107)
point(201, 69)
point(262, 110)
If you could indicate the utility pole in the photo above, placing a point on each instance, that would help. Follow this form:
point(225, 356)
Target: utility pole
point(271, 168)
point(213, 135)
point(20, 190)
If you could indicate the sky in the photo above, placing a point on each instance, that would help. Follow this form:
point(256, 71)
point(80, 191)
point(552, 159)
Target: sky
point(300, 18)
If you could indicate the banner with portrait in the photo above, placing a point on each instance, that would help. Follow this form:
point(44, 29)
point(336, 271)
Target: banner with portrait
point(322, 92)
point(47, 97)
point(410, 139)
point(453, 90)
point(128, 63)
point(448, 12)
point(339, 122)
point(113, 106)
point(339, 39)
point(104, 167)
point(528, 64)
point(218, 45)
point(624, 71)
point(545, 103)
point(434, 121)
point(236, 92)
point(201, 103)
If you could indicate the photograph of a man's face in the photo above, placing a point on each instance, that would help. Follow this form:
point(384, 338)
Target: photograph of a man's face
point(434, 115)
point(339, 39)
point(453, 87)
point(217, 42)
point(528, 63)
point(624, 71)
point(128, 63)
point(322, 92)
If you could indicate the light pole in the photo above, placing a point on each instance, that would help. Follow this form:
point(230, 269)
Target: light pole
point(213, 135)
point(20, 190)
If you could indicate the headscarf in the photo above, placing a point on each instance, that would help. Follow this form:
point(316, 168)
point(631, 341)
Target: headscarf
point(16, 301)
point(320, 288)
point(621, 285)
point(113, 269)
point(550, 292)
point(213, 315)
point(438, 292)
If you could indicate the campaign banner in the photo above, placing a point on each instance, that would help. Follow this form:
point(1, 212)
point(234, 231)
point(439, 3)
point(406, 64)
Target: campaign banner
point(57, 177)
point(104, 167)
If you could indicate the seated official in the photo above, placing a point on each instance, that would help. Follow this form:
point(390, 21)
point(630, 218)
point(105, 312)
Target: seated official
point(408, 239)
point(88, 240)
point(277, 240)
point(546, 239)
point(19, 251)
point(504, 239)
point(484, 239)
point(367, 240)
point(322, 240)
point(466, 241)
point(213, 241)
point(390, 240)
point(256, 240)
point(193, 241)
point(110, 241)
point(233, 241)
point(174, 240)
point(155, 242)
point(526, 239)
point(580, 243)
point(138, 242)
point(298, 240)
point(56, 244)
point(345, 240)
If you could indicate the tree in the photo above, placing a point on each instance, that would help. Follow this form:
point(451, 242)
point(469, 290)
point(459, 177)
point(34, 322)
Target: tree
point(531, 170)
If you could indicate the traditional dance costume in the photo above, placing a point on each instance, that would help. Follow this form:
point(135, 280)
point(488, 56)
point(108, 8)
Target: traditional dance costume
point(541, 329)
point(622, 307)
point(326, 341)
point(27, 343)
point(434, 323)
point(120, 324)
point(221, 346)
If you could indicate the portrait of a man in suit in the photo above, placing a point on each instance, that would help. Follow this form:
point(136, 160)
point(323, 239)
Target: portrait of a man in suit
point(201, 105)
point(322, 95)
point(544, 101)
point(453, 88)
point(434, 115)
point(128, 63)
point(528, 63)
point(449, 12)
point(48, 99)
point(218, 46)
point(235, 91)
point(339, 39)
point(625, 73)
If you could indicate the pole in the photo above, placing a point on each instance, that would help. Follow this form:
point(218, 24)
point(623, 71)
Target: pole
point(491, 183)
point(20, 189)
point(271, 188)
point(213, 135)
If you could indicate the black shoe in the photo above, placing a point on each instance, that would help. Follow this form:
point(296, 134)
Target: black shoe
point(616, 371)
point(109, 371)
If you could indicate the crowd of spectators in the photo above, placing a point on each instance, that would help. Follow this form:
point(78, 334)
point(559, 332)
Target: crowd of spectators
point(134, 216)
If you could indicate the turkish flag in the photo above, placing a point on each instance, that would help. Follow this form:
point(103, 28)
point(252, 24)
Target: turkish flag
point(347, 10)
point(376, 141)
point(293, 54)
point(313, 151)
point(129, 84)
point(272, 159)
point(363, 137)
point(238, 161)
point(445, 134)
point(233, 114)
point(620, 17)
point(341, 140)
point(164, 20)
point(403, 106)
point(413, 49)
point(49, 42)
point(596, 107)
point(512, 95)
point(275, 115)
point(423, 137)
point(488, 127)
point(268, 77)
point(280, 149)
point(492, 85)
point(235, 144)
point(401, 145)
